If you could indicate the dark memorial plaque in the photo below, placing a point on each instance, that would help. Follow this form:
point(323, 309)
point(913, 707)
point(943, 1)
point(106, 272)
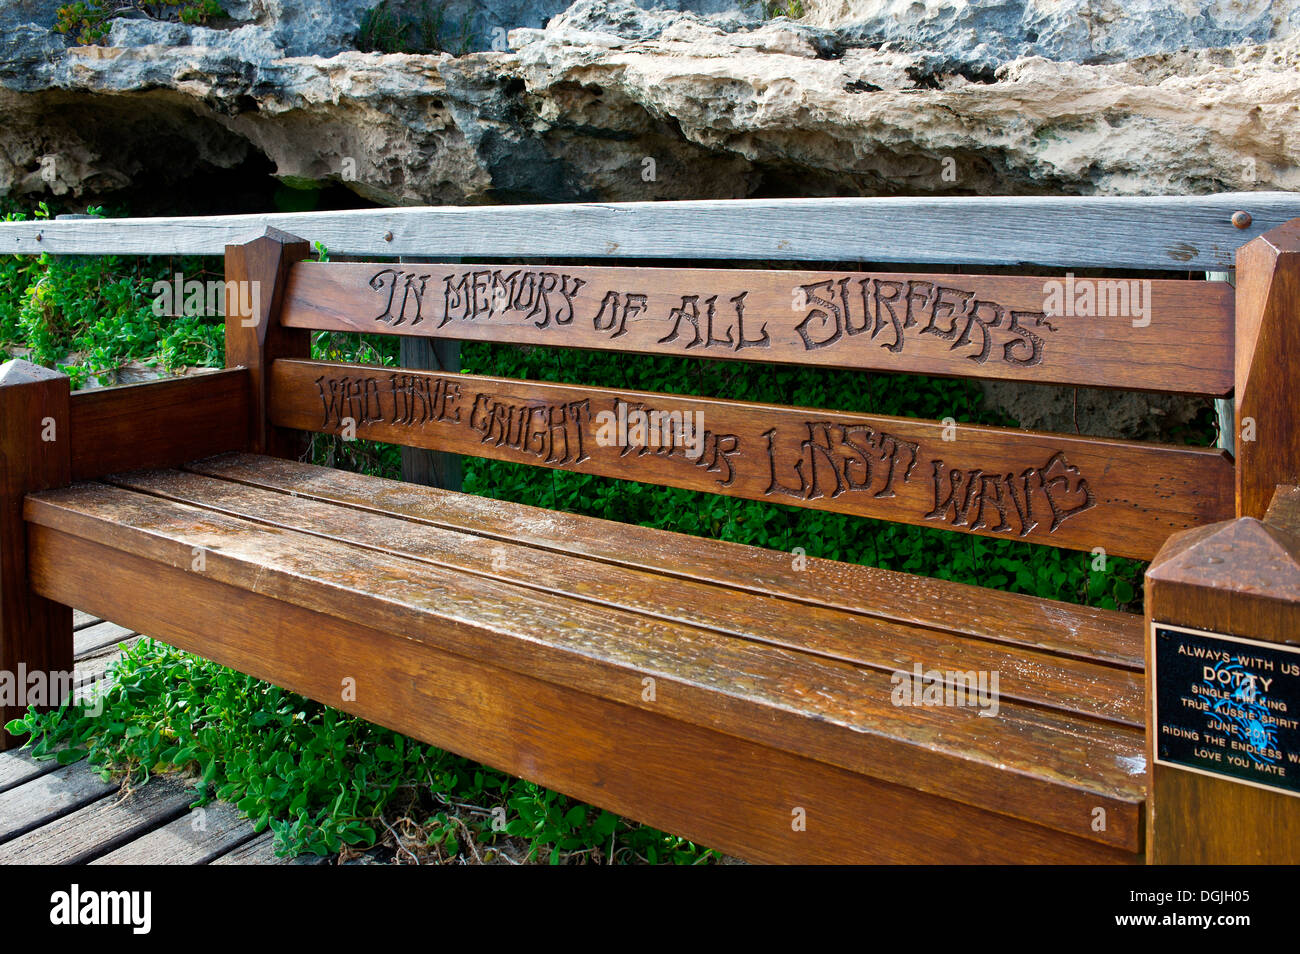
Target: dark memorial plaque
point(1228, 706)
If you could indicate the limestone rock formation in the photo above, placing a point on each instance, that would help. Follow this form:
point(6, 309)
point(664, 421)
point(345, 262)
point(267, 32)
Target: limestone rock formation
point(863, 97)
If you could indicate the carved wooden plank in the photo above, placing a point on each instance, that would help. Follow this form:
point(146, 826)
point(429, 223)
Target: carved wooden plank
point(158, 423)
point(1028, 675)
point(1178, 233)
point(640, 760)
point(1124, 333)
point(825, 709)
point(1079, 493)
point(997, 616)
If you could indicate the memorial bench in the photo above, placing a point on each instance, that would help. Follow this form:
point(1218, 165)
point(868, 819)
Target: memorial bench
point(775, 706)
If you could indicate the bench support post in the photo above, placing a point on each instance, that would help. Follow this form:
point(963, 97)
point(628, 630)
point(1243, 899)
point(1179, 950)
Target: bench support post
point(1239, 578)
point(1236, 579)
point(1267, 359)
point(35, 454)
point(256, 275)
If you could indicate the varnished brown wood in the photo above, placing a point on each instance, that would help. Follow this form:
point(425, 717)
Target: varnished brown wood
point(1027, 675)
point(525, 637)
point(1031, 763)
point(638, 760)
point(1284, 509)
point(1238, 578)
point(35, 453)
point(159, 423)
point(1073, 492)
point(1268, 343)
point(1140, 334)
point(255, 277)
point(1081, 632)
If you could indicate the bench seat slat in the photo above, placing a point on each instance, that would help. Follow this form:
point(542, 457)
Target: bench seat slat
point(712, 788)
point(1073, 492)
point(1042, 766)
point(1064, 629)
point(1026, 675)
point(1161, 335)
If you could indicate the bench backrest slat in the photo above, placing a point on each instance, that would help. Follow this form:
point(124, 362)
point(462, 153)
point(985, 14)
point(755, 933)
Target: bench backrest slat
point(1072, 492)
point(1044, 329)
point(1168, 335)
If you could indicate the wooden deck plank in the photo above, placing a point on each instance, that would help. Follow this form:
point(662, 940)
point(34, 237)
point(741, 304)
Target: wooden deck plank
point(195, 838)
point(99, 827)
point(1027, 675)
point(99, 636)
point(47, 797)
point(995, 615)
point(261, 851)
point(17, 766)
point(34, 792)
point(93, 667)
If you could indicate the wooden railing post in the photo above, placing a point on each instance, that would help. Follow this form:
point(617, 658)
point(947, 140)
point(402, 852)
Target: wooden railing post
point(256, 275)
point(35, 454)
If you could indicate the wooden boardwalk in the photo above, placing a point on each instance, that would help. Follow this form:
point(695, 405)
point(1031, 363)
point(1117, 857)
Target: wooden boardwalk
point(52, 814)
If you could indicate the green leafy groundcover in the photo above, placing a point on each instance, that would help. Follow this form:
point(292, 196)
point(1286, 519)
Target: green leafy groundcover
point(321, 779)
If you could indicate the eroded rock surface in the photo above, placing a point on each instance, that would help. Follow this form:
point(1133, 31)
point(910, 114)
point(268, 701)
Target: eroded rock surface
point(612, 101)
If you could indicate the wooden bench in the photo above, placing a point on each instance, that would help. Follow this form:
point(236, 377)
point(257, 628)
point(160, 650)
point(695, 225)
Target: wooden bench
point(775, 706)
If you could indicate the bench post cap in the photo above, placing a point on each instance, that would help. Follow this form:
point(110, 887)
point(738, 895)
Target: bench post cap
point(272, 234)
point(20, 371)
point(1244, 555)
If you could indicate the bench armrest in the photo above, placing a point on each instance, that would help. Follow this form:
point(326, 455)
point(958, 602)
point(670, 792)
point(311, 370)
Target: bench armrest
point(159, 423)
